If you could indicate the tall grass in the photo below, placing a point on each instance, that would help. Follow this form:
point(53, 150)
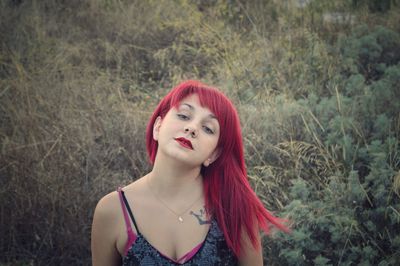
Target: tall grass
point(80, 78)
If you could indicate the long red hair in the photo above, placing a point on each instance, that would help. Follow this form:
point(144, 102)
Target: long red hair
point(228, 194)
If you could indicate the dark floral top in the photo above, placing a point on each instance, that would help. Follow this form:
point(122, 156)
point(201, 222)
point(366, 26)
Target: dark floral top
point(214, 251)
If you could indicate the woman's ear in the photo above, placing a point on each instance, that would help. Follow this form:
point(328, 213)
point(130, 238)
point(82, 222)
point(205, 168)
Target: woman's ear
point(156, 128)
point(213, 157)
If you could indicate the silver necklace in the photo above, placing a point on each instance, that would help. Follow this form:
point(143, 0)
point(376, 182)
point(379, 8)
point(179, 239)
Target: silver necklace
point(178, 215)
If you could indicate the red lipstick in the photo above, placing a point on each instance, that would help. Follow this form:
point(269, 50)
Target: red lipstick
point(185, 143)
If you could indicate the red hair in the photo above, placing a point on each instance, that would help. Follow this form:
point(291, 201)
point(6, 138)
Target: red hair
point(228, 194)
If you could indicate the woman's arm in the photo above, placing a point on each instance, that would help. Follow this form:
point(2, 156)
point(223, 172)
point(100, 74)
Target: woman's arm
point(251, 256)
point(104, 232)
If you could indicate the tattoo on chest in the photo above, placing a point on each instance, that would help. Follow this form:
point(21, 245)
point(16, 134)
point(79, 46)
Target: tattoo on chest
point(201, 216)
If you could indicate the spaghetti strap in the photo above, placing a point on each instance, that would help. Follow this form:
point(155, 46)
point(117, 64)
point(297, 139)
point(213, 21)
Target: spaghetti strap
point(131, 235)
point(128, 208)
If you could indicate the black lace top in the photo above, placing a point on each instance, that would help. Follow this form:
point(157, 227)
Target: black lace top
point(213, 251)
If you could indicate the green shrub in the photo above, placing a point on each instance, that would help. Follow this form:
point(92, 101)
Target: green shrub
point(354, 217)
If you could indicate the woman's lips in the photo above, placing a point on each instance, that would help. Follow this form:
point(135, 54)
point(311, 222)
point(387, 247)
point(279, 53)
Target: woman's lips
point(185, 143)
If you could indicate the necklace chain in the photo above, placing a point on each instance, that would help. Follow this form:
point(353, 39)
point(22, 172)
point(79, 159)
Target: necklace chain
point(179, 215)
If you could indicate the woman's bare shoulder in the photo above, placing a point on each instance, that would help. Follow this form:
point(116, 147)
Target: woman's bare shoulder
point(105, 230)
point(107, 206)
point(137, 188)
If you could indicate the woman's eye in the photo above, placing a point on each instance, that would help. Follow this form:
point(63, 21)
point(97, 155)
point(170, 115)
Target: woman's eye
point(183, 117)
point(208, 130)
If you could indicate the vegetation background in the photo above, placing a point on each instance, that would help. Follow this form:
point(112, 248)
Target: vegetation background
point(316, 84)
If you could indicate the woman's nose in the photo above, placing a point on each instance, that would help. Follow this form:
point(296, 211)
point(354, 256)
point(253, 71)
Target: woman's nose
point(191, 130)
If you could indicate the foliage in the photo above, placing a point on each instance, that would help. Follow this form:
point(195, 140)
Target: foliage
point(318, 101)
point(353, 217)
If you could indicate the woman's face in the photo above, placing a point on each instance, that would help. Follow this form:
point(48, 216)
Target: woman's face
point(188, 133)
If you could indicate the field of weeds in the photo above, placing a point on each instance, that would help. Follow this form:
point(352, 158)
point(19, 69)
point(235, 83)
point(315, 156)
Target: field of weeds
point(316, 84)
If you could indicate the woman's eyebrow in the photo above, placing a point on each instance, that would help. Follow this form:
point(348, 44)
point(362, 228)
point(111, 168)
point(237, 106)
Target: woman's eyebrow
point(213, 116)
point(191, 107)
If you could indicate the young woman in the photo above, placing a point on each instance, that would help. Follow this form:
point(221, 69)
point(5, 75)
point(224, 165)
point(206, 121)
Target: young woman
point(196, 206)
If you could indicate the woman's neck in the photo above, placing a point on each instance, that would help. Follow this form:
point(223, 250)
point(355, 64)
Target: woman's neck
point(172, 182)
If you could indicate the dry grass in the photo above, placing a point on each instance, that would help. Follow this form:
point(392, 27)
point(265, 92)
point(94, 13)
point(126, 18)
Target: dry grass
point(78, 80)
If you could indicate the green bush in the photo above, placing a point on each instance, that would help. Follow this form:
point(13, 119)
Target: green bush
point(353, 218)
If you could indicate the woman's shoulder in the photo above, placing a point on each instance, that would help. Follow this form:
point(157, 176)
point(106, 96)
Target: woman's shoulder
point(107, 206)
point(135, 189)
point(112, 198)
